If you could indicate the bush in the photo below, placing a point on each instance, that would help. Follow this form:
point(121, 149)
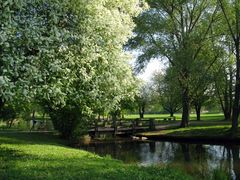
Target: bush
point(23, 125)
point(8, 114)
point(69, 121)
point(81, 129)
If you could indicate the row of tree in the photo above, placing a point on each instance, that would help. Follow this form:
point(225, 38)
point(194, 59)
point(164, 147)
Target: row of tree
point(200, 40)
point(68, 57)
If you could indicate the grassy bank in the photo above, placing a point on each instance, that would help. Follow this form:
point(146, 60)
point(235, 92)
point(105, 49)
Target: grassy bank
point(215, 116)
point(44, 156)
point(204, 132)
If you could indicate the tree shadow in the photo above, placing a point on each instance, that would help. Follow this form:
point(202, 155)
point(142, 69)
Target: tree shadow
point(203, 132)
point(21, 165)
point(38, 156)
point(27, 156)
point(7, 159)
point(30, 138)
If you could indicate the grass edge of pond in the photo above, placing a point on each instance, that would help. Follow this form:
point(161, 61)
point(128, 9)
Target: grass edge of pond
point(216, 134)
point(35, 155)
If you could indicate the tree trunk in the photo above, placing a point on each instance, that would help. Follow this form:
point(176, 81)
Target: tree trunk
point(171, 114)
point(96, 125)
point(227, 115)
point(152, 146)
point(122, 115)
point(141, 112)
point(236, 161)
point(114, 119)
point(33, 121)
point(10, 123)
point(237, 90)
point(226, 103)
point(186, 152)
point(198, 112)
point(186, 108)
point(1, 106)
point(230, 93)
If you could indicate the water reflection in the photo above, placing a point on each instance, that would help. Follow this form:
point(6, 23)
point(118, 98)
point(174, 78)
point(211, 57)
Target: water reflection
point(199, 160)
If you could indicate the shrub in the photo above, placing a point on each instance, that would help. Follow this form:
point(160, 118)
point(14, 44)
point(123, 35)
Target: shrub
point(69, 121)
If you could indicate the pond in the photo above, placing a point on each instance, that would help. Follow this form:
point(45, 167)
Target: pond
point(199, 160)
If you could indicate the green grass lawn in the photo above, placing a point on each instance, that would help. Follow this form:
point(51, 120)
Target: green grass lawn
point(195, 132)
point(215, 116)
point(44, 156)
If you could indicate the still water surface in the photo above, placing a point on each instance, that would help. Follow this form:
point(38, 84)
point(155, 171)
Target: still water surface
point(200, 160)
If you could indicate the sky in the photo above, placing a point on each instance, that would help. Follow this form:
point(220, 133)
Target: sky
point(155, 65)
point(152, 67)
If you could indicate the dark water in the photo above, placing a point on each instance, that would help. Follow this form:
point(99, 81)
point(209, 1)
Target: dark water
point(202, 161)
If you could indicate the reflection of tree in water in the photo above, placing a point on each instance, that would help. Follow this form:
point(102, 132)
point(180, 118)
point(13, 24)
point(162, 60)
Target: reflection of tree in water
point(224, 164)
point(201, 158)
point(228, 164)
point(233, 158)
point(186, 152)
point(127, 152)
point(192, 158)
point(196, 159)
point(223, 161)
point(157, 153)
point(166, 151)
point(152, 146)
point(236, 161)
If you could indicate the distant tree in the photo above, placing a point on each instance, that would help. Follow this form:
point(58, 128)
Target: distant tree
point(223, 70)
point(167, 92)
point(178, 32)
point(202, 81)
point(231, 15)
point(199, 100)
point(142, 99)
point(224, 85)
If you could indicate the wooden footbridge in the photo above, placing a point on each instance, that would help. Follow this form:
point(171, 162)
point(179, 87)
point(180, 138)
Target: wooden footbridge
point(126, 126)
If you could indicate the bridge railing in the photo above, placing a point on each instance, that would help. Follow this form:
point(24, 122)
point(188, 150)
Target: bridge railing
point(129, 124)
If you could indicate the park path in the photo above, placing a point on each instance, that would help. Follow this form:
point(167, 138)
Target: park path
point(193, 123)
point(167, 126)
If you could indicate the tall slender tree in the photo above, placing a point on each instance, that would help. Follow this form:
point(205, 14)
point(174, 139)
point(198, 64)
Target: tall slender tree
point(231, 12)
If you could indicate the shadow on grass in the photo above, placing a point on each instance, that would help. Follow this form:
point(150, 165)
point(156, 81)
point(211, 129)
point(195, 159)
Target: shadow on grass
point(210, 118)
point(34, 167)
point(19, 165)
point(206, 131)
point(19, 137)
point(38, 156)
point(209, 135)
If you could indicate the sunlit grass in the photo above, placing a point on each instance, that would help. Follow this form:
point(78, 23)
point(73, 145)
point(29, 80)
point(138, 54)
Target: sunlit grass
point(195, 132)
point(43, 156)
point(215, 116)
